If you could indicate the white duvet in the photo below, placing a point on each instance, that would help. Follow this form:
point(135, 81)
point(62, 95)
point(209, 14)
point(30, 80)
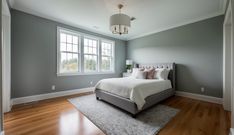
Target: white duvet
point(134, 89)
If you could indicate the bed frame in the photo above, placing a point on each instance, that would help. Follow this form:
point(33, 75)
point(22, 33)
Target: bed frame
point(129, 105)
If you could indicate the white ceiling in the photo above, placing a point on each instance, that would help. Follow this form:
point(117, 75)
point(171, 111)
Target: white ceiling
point(151, 15)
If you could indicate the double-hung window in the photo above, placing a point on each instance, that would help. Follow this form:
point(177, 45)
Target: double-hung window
point(68, 52)
point(83, 54)
point(90, 54)
point(107, 56)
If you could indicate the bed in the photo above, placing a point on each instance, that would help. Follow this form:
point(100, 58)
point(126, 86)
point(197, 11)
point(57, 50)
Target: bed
point(148, 92)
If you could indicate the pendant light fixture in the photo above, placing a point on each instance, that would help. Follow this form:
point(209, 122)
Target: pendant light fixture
point(120, 23)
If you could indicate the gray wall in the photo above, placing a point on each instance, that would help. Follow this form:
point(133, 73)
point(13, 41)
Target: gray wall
point(34, 57)
point(196, 48)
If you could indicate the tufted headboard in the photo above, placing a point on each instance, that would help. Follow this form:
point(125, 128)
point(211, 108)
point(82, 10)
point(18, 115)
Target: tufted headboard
point(171, 66)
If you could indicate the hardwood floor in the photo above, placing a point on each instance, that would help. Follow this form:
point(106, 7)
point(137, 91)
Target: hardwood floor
point(59, 117)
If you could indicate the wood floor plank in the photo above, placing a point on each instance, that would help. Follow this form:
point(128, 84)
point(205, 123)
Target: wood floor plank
point(58, 117)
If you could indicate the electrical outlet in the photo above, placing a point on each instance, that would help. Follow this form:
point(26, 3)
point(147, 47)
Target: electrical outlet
point(202, 89)
point(91, 82)
point(53, 87)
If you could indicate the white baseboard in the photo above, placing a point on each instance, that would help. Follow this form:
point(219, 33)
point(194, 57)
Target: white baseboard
point(200, 97)
point(28, 99)
point(232, 131)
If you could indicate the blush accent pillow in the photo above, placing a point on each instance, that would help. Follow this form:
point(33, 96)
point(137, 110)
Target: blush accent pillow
point(150, 73)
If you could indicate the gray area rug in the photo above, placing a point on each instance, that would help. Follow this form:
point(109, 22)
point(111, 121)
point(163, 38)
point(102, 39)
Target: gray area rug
point(114, 121)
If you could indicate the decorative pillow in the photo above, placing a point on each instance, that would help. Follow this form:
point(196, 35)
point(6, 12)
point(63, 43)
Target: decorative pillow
point(150, 73)
point(135, 70)
point(140, 74)
point(159, 73)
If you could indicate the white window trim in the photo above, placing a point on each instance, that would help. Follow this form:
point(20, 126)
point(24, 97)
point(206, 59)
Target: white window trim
point(81, 54)
point(98, 54)
point(113, 54)
point(59, 29)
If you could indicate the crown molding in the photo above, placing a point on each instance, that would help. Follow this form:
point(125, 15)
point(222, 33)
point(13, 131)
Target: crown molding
point(222, 9)
point(223, 5)
point(5, 8)
point(10, 3)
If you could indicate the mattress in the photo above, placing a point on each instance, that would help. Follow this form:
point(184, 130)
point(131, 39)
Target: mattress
point(133, 89)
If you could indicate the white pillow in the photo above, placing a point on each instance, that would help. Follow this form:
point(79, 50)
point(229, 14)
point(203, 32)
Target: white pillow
point(139, 74)
point(134, 71)
point(159, 74)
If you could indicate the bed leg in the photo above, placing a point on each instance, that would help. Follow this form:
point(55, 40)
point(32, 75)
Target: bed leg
point(97, 98)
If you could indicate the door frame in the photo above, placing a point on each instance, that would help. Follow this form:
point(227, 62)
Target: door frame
point(6, 57)
point(227, 60)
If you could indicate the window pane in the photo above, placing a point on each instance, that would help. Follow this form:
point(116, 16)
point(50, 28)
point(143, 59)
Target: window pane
point(75, 48)
point(63, 57)
point(106, 64)
point(90, 46)
point(63, 47)
point(104, 52)
point(62, 37)
point(90, 42)
point(69, 56)
point(69, 63)
point(86, 49)
point(90, 63)
point(90, 50)
point(75, 59)
point(94, 42)
point(69, 47)
point(95, 50)
point(108, 52)
point(109, 46)
point(69, 39)
point(85, 41)
point(106, 49)
point(75, 40)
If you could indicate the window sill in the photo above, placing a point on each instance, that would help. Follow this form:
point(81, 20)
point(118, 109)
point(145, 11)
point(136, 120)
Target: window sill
point(77, 74)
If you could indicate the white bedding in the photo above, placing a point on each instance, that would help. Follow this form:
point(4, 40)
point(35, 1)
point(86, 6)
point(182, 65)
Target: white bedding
point(134, 89)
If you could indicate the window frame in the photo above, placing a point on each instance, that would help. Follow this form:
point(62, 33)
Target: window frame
point(59, 31)
point(113, 55)
point(81, 37)
point(98, 54)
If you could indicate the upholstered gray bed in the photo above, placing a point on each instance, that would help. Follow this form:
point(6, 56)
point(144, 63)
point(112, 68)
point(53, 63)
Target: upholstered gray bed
point(128, 105)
